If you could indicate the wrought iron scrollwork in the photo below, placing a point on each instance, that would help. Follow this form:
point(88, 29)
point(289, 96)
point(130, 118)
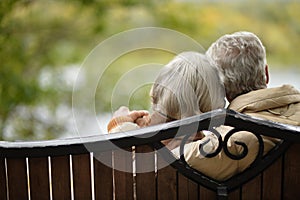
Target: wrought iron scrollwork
point(245, 148)
point(259, 128)
point(223, 145)
point(219, 148)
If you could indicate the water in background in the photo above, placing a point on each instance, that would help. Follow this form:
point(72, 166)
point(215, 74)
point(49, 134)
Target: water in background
point(279, 77)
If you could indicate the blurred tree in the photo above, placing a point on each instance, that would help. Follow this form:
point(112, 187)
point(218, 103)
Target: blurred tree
point(40, 39)
point(30, 40)
point(276, 23)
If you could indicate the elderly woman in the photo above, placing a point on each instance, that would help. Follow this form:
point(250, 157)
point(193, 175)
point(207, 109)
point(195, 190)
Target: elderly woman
point(188, 85)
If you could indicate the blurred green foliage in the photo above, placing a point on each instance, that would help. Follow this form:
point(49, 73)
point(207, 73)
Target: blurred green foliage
point(39, 38)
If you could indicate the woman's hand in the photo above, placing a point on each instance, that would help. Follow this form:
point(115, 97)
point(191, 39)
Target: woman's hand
point(140, 117)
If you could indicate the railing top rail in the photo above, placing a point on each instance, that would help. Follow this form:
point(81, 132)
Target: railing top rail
point(148, 135)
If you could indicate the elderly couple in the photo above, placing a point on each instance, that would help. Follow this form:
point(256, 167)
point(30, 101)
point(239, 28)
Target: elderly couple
point(234, 66)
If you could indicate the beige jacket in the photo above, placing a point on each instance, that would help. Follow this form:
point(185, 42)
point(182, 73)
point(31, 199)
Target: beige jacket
point(281, 104)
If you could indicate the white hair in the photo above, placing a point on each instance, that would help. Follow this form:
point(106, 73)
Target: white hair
point(186, 86)
point(241, 57)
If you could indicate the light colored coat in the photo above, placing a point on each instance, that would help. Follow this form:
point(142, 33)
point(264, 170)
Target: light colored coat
point(281, 104)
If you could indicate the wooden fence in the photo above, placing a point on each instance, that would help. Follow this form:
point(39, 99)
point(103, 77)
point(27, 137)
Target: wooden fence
point(135, 165)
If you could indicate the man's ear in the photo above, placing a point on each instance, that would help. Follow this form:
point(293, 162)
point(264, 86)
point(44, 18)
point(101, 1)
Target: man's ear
point(267, 74)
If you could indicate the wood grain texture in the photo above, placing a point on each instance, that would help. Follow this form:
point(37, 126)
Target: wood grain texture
point(166, 180)
point(252, 189)
point(123, 174)
point(272, 181)
point(206, 193)
point(39, 178)
point(187, 189)
point(82, 176)
point(291, 189)
point(103, 174)
point(235, 195)
point(145, 176)
point(61, 181)
point(3, 194)
point(17, 179)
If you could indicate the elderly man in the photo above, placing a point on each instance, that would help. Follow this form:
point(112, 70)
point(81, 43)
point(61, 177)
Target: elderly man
point(241, 60)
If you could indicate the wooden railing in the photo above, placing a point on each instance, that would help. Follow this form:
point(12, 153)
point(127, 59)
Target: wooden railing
point(135, 165)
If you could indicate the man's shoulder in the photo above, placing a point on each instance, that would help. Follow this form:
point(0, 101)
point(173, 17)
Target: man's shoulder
point(278, 104)
point(263, 98)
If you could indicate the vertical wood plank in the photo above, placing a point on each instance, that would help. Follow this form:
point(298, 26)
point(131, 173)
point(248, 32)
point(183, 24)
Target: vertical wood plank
point(39, 178)
point(166, 180)
point(61, 184)
point(145, 168)
point(252, 189)
point(187, 189)
point(292, 173)
point(207, 193)
point(17, 178)
point(103, 174)
point(183, 193)
point(82, 176)
point(193, 189)
point(272, 180)
point(235, 195)
point(3, 194)
point(123, 174)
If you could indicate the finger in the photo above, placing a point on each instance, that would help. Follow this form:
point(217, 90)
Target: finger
point(138, 114)
point(142, 122)
point(147, 119)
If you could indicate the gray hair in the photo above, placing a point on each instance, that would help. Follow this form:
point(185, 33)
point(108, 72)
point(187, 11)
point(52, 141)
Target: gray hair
point(241, 58)
point(188, 85)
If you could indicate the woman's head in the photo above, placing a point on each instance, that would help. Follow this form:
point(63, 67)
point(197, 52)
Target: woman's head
point(188, 85)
